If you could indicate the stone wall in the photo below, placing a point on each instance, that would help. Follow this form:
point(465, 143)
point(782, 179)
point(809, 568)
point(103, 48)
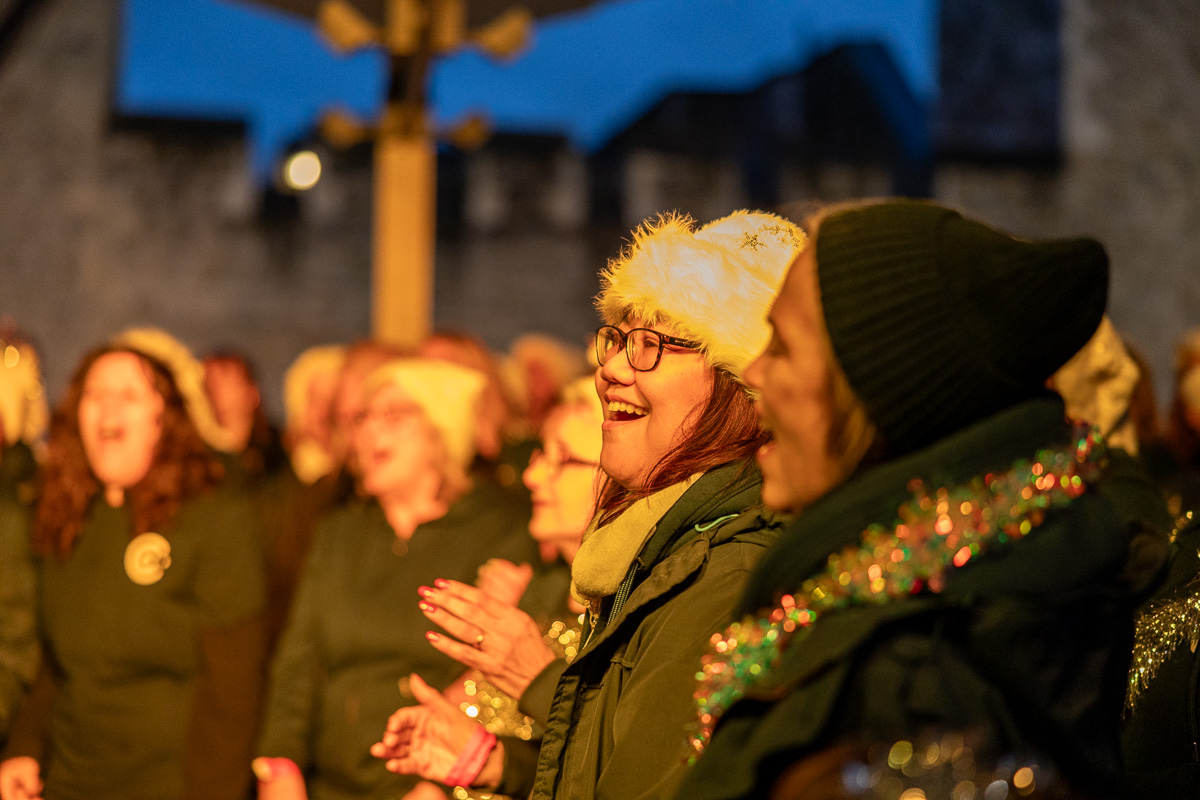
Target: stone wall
point(102, 228)
point(1131, 178)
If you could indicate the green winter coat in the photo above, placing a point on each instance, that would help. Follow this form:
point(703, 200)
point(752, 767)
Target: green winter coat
point(150, 691)
point(617, 713)
point(1027, 646)
point(18, 611)
point(355, 634)
point(1161, 737)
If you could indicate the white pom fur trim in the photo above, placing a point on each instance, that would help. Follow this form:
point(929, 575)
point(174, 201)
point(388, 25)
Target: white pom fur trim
point(714, 285)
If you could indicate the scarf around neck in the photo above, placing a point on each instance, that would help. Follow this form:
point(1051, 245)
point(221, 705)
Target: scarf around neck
point(608, 550)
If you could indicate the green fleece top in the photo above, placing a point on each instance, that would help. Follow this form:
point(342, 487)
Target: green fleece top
point(355, 634)
point(19, 649)
point(1026, 647)
point(157, 685)
point(617, 712)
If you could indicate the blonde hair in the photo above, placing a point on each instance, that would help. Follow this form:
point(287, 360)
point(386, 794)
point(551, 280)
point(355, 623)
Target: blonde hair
point(448, 396)
point(320, 360)
point(24, 413)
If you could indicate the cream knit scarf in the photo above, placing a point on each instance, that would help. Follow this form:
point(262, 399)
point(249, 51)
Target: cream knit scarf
point(606, 553)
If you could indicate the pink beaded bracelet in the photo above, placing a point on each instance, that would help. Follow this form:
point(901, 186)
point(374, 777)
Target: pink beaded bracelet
point(472, 758)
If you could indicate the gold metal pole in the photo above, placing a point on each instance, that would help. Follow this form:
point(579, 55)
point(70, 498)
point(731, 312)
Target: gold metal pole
point(405, 158)
point(402, 294)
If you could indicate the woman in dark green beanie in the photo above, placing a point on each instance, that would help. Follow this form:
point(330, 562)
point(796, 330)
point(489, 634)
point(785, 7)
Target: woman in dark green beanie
point(960, 562)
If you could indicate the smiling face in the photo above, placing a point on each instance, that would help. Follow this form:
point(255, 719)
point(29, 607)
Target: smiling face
point(395, 444)
point(646, 414)
point(120, 419)
point(792, 377)
point(563, 480)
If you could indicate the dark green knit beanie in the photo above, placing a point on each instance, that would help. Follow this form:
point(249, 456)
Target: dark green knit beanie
point(939, 321)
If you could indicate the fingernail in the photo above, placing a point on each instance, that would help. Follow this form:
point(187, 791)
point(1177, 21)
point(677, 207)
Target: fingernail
point(425, 591)
point(441, 583)
point(262, 769)
point(430, 607)
point(433, 637)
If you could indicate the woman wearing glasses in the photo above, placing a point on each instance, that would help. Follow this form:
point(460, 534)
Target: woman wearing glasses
point(678, 526)
point(532, 608)
point(352, 632)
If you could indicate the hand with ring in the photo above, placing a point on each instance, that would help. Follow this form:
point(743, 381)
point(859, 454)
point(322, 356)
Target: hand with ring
point(504, 580)
point(505, 643)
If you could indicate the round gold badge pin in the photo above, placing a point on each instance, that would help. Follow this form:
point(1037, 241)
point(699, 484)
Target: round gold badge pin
point(147, 558)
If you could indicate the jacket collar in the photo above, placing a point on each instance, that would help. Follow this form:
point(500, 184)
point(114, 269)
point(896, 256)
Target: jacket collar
point(683, 537)
point(608, 550)
point(722, 492)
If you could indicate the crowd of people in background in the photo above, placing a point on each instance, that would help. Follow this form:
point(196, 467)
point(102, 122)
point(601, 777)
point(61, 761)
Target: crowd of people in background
point(873, 503)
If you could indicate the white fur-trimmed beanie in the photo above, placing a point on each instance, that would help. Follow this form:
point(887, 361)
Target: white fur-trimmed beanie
point(321, 360)
point(714, 284)
point(449, 396)
point(188, 374)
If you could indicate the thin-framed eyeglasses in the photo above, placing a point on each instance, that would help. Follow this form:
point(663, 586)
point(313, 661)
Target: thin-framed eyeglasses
point(391, 415)
point(555, 466)
point(642, 346)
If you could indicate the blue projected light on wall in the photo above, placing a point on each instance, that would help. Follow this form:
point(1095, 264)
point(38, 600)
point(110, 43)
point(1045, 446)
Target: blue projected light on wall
point(593, 73)
point(587, 75)
point(206, 59)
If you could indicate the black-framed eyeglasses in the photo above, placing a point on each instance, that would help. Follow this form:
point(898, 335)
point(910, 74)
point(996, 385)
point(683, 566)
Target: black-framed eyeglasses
point(643, 346)
point(557, 465)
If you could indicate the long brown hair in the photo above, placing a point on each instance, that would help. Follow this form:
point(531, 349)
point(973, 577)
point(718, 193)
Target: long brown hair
point(183, 465)
point(726, 430)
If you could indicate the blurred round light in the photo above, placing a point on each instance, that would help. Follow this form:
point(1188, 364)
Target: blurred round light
point(1024, 780)
point(996, 790)
point(302, 170)
point(900, 754)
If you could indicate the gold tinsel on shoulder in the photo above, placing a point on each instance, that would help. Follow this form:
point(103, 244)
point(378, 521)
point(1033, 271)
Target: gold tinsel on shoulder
point(499, 713)
point(1161, 628)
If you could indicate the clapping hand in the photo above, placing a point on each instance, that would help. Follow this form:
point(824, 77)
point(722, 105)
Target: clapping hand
point(496, 638)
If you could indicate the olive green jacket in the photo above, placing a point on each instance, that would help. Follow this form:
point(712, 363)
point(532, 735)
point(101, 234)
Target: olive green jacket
point(1161, 737)
point(617, 712)
point(19, 649)
point(151, 689)
point(355, 634)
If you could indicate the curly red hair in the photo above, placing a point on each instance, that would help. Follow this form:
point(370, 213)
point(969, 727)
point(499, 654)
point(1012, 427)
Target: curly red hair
point(183, 465)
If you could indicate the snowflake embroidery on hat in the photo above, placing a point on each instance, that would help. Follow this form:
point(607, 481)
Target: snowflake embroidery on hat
point(786, 236)
point(936, 530)
point(751, 240)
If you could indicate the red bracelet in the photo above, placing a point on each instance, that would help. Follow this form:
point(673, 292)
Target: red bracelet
point(472, 758)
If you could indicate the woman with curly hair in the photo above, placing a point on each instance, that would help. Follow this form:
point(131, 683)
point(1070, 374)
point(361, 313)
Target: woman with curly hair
point(150, 594)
